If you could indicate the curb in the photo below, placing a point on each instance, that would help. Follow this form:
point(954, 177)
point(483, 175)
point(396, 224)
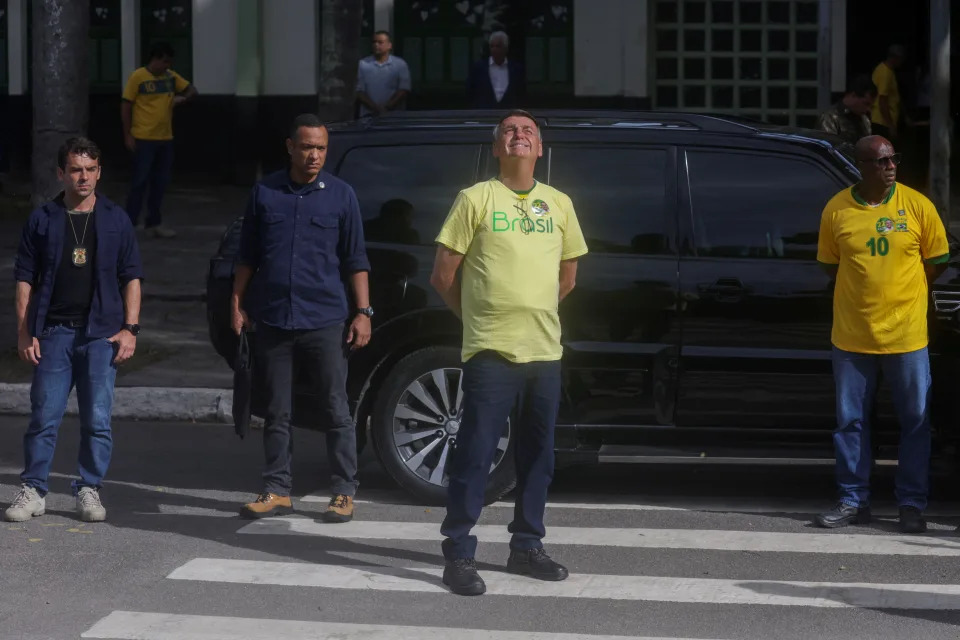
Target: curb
point(139, 403)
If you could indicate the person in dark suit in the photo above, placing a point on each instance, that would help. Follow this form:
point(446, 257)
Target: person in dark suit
point(496, 82)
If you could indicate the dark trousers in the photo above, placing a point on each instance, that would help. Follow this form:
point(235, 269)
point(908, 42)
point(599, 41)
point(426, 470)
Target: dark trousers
point(322, 354)
point(153, 167)
point(492, 387)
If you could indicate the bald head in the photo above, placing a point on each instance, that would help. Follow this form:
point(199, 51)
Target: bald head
point(873, 147)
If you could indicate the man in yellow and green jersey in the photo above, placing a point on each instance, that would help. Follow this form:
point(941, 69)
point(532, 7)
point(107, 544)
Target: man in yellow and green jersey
point(517, 241)
point(884, 243)
point(885, 116)
point(146, 113)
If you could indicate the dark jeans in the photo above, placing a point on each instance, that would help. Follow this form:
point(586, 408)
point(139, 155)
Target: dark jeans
point(492, 387)
point(856, 376)
point(68, 359)
point(152, 166)
point(322, 355)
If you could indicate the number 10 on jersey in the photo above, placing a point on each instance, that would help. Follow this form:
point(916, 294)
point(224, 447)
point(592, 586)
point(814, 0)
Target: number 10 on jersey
point(878, 246)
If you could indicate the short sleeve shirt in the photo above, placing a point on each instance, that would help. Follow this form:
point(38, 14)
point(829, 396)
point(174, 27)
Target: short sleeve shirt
point(152, 98)
point(886, 81)
point(512, 246)
point(880, 299)
point(380, 81)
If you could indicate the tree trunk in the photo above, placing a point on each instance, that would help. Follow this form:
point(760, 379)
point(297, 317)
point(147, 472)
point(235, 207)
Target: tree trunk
point(60, 85)
point(339, 56)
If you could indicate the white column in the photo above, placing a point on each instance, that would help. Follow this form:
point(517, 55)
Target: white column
point(636, 36)
point(383, 15)
point(129, 37)
point(598, 52)
point(290, 48)
point(17, 55)
point(214, 40)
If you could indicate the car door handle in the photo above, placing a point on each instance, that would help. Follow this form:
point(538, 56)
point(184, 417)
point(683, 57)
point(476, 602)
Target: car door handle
point(724, 290)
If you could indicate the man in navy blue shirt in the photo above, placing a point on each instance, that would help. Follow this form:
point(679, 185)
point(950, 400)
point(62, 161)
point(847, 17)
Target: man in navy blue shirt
point(78, 278)
point(302, 236)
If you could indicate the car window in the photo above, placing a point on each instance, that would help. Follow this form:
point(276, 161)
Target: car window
point(749, 205)
point(406, 192)
point(619, 195)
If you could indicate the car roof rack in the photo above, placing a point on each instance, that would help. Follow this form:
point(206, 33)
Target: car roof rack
point(560, 118)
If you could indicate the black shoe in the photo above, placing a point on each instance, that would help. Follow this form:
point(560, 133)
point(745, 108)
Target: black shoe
point(843, 514)
point(462, 577)
point(536, 564)
point(911, 520)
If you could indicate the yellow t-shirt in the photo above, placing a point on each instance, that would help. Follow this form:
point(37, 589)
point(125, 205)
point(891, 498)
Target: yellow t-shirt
point(886, 81)
point(512, 248)
point(880, 300)
point(152, 98)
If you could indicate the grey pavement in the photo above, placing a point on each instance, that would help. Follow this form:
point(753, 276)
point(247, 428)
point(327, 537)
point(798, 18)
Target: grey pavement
point(174, 348)
point(163, 559)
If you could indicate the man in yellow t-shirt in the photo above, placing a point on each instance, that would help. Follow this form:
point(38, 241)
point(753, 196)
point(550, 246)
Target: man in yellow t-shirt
point(884, 243)
point(517, 241)
point(885, 116)
point(146, 113)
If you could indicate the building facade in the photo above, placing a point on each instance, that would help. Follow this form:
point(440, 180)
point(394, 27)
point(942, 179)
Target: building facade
point(255, 62)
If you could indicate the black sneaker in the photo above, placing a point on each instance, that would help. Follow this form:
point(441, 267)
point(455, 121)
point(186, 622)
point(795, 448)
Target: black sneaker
point(462, 577)
point(536, 564)
point(843, 514)
point(911, 521)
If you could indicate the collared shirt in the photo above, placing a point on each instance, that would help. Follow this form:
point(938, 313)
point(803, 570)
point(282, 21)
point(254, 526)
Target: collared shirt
point(381, 80)
point(117, 262)
point(842, 122)
point(301, 241)
point(499, 78)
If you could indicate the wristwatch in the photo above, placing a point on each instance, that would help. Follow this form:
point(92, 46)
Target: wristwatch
point(366, 311)
point(132, 328)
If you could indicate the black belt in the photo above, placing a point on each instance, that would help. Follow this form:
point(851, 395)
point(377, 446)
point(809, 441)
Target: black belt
point(73, 324)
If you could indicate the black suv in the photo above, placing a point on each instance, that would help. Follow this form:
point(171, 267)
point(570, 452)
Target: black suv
point(699, 329)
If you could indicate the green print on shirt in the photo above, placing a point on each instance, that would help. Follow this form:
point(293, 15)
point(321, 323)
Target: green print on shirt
point(502, 222)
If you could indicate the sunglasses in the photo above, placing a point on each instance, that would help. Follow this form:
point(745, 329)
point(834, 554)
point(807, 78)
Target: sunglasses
point(881, 162)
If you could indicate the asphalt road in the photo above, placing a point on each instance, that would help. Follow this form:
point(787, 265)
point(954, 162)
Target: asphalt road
point(665, 552)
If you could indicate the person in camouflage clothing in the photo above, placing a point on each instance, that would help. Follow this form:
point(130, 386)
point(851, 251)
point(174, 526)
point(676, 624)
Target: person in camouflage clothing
point(850, 118)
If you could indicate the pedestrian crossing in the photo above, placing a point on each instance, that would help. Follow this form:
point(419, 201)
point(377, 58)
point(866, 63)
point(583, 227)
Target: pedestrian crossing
point(379, 582)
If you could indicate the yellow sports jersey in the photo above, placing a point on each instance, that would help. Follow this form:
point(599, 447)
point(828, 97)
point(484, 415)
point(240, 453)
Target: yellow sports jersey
point(886, 81)
point(152, 98)
point(512, 246)
point(880, 300)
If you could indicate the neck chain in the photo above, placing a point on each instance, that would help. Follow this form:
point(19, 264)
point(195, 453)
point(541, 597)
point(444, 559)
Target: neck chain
point(79, 255)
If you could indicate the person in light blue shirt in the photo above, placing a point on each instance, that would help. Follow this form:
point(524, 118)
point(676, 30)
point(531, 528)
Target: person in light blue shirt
point(383, 79)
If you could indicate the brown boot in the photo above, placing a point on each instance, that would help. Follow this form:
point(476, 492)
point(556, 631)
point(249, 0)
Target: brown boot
point(340, 509)
point(266, 505)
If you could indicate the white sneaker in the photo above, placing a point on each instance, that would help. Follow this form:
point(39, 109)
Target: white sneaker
point(89, 506)
point(26, 505)
point(162, 232)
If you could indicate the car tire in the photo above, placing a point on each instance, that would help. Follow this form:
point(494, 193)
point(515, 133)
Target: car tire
point(412, 388)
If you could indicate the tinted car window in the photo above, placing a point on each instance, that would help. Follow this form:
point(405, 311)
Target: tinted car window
point(757, 206)
point(406, 192)
point(619, 196)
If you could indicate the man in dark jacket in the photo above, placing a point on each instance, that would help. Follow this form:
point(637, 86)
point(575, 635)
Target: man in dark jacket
point(78, 278)
point(850, 118)
point(496, 82)
point(302, 238)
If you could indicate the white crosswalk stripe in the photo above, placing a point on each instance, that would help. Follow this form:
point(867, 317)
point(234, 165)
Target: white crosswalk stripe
point(366, 579)
point(130, 625)
point(757, 541)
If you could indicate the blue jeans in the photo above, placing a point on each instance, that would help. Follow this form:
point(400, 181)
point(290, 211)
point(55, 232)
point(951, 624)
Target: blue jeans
point(153, 167)
point(856, 376)
point(67, 359)
point(492, 386)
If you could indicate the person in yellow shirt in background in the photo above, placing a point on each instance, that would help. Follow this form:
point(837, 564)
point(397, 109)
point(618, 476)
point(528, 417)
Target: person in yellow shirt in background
point(146, 113)
point(884, 243)
point(518, 242)
point(885, 116)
